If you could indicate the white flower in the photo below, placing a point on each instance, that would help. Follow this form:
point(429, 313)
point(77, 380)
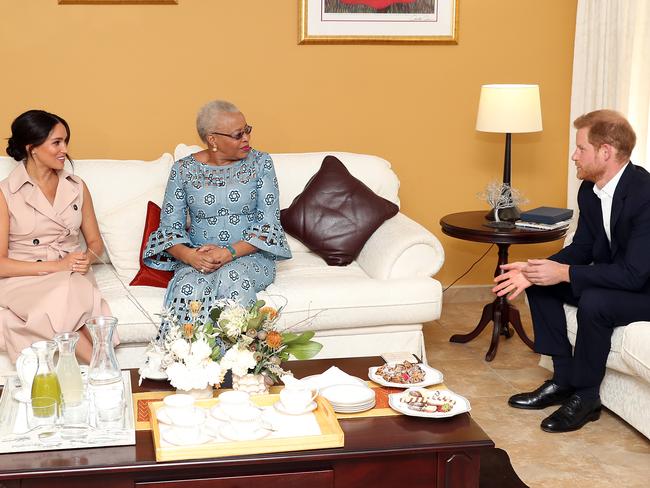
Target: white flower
point(238, 360)
point(233, 320)
point(185, 377)
point(201, 349)
point(180, 348)
point(179, 377)
point(214, 372)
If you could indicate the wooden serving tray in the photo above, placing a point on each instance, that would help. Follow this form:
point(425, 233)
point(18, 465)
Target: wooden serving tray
point(331, 435)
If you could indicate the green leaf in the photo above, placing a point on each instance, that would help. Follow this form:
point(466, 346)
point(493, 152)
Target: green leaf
point(215, 313)
point(303, 338)
point(289, 337)
point(304, 351)
point(255, 323)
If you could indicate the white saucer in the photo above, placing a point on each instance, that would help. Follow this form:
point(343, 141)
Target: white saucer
point(22, 395)
point(218, 413)
point(171, 437)
point(152, 375)
point(161, 415)
point(212, 426)
point(348, 395)
point(282, 409)
point(229, 433)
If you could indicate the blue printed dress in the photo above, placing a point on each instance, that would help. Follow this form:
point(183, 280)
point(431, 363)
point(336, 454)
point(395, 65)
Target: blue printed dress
point(225, 204)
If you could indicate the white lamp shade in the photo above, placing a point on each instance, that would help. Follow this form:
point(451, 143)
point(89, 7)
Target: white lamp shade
point(509, 108)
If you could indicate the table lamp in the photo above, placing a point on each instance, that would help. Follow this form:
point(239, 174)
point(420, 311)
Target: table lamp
point(509, 109)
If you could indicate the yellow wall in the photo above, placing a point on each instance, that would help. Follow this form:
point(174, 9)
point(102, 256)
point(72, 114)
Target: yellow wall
point(129, 80)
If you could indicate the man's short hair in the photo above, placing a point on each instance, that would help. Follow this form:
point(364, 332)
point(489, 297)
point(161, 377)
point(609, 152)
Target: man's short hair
point(608, 127)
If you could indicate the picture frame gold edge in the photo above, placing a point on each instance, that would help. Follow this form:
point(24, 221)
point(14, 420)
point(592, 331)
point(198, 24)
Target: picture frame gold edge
point(305, 38)
point(118, 2)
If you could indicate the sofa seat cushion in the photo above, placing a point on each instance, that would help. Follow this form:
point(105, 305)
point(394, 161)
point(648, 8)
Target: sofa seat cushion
point(635, 348)
point(137, 323)
point(317, 296)
point(615, 359)
point(321, 297)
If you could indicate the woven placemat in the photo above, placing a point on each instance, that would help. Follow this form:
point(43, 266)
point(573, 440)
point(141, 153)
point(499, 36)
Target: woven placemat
point(381, 409)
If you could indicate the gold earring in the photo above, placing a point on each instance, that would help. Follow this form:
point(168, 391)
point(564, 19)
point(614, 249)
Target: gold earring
point(215, 148)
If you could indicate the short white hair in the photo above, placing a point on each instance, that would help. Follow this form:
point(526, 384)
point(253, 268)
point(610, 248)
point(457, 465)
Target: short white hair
point(208, 116)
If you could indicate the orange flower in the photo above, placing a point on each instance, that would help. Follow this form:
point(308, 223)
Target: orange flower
point(274, 339)
point(269, 312)
point(195, 307)
point(188, 330)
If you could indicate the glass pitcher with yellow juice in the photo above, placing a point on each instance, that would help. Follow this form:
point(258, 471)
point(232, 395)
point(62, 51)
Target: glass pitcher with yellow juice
point(46, 384)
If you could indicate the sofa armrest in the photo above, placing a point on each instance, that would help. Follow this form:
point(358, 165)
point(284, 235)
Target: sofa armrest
point(401, 248)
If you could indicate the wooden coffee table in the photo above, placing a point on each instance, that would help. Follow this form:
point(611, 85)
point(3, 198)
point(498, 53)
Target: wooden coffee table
point(378, 452)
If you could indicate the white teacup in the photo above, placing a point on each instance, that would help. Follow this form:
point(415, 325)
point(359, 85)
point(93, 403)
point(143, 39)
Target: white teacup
point(26, 366)
point(234, 401)
point(153, 363)
point(180, 410)
point(296, 398)
point(247, 420)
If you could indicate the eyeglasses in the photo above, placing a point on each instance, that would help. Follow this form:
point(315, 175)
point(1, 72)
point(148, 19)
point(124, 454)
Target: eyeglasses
point(236, 135)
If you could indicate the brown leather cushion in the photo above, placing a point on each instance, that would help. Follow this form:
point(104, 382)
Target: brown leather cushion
point(148, 276)
point(336, 214)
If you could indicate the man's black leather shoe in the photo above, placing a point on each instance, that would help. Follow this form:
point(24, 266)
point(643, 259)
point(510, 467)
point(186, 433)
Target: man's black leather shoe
point(572, 415)
point(546, 395)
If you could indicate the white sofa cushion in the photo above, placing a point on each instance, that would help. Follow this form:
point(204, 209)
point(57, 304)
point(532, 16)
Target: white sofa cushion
point(635, 348)
point(7, 165)
point(121, 209)
point(614, 360)
point(320, 297)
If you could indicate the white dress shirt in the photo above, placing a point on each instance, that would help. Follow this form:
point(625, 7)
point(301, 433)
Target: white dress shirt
point(606, 194)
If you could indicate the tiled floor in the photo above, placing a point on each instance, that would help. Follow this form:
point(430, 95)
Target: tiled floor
point(605, 453)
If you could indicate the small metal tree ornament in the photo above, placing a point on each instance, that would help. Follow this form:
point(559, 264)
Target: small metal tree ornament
point(504, 200)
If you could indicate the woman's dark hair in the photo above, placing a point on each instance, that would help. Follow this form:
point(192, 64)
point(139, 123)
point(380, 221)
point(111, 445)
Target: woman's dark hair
point(32, 128)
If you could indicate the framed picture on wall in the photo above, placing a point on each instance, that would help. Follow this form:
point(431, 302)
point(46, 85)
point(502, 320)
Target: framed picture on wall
point(380, 21)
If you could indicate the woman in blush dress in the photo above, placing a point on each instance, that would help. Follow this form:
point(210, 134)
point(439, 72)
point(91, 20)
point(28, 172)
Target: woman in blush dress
point(46, 283)
point(228, 193)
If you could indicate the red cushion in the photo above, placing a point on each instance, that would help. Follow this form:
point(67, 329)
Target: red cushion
point(148, 276)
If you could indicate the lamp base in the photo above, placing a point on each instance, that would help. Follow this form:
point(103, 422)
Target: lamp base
point(509, 214)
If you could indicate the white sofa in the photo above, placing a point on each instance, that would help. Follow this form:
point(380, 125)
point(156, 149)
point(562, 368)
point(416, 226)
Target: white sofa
point(626, 387)
point(376, 304)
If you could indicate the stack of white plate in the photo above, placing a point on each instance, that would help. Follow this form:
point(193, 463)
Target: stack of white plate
point(349, 398)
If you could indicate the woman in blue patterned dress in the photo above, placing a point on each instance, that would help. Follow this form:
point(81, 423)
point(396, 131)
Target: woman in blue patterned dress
point(230, 193)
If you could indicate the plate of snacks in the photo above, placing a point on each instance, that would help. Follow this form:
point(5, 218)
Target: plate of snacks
point(405, 374)
point(420, 402)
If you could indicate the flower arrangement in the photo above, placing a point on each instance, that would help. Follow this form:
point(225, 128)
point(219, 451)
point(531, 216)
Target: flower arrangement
point(247, 340)
point(187, 352)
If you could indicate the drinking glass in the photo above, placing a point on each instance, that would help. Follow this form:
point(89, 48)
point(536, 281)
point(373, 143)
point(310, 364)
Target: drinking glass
point(109, 408)
point(41, 411)
point(75, 413)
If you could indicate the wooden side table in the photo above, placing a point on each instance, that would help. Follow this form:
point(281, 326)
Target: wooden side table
point(470, 226)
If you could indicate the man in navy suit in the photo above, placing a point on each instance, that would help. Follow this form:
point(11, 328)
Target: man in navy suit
point(605, 272)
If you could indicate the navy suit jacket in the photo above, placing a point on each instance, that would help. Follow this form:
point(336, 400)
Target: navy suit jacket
point(625, 265)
